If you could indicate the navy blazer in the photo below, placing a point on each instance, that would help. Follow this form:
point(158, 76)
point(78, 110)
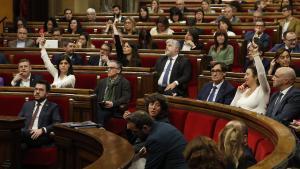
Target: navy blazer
point(48, 115)
point(76, 59)
point(33, 79)
point(225, 95)
point(289, 106)
point(264, 39)
point(181, 71)
point(94, 61)
point(282, 45)
point(164, 146)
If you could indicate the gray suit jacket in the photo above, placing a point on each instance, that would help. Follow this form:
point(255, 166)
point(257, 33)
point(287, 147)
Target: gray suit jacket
point(28, 43)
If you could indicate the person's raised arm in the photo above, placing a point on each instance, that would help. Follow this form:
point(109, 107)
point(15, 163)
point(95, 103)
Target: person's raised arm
point(48, 64)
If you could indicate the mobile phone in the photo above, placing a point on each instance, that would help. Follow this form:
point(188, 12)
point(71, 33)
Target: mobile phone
point(256, 40)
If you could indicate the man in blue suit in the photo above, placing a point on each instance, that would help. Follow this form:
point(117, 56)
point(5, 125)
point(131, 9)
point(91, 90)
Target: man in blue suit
point(258, 32)
point(284, 105)
point(219, 90)
point(164, 144)
point(289, 42)
point(40, 115)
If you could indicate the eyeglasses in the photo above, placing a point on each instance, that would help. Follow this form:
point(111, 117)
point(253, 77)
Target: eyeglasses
point(292, 40)
point(216, 71)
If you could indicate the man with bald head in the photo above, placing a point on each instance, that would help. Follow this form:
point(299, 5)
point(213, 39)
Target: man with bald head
point(284, 105)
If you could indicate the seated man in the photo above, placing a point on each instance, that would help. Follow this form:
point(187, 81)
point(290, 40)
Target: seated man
point(289, 42)
point(91, 14)
point(69, 51)
point(24, 78)
point(68, 15)
point(258, 32)
point(228, 13)
point(22, 41)
point(116, 10)
point(284, 105)
point(112, 93)
point(103, 57)
point(40, 115)
point(289, 22)
point(174, 71)
point(164, 144)
point(219, 90)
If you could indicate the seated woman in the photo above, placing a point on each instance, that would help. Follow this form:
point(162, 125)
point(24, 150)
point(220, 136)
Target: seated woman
point(144, 14)
point(129, 27)
point(19, 23)
point(225, 25)
point(63, 73)
point(203, 153)
point(128, 54)
point(74, 27)
point(84, 41)
point(191, 41)
point(232, 144)
point(176, 16)
point(221, 51)
point(49, 25)
point(206, 7)
point(145, 40)
point(197, 19)
point(282, 59)
point(254, 94)
point(155, 9)
point(162, 27)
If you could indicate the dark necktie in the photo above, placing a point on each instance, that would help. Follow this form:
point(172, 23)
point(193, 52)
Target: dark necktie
point(34, 115)
point(212, 94)
point(277, 104)
point(167, 72)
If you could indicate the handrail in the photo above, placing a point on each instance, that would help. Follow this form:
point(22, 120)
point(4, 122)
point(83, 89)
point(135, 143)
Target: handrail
point(3, 19)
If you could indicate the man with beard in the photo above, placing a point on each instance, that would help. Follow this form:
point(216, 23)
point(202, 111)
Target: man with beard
point(40, 115)
point(289, 43)
point(69, 51)
point(116, 10)
point(164, 144)
point(103, 58)
point(24, 78)
point(113, 93)
point(174, 71)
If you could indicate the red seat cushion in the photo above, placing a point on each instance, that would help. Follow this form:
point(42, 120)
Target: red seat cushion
point(6, 106)
point(43, 156)
point(220, 124)
point(64, 106)
point(85, 80)
point(7, 76)
point(116, 125)
point(264, 148)
point(199, 124)
point(254, 137)
point(177, 118)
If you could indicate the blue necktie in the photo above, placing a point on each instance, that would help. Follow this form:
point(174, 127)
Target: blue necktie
point(277, 104)
point(212, 94)
point(167, 72)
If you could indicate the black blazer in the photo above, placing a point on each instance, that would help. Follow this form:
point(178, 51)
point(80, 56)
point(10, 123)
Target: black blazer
point(48, 115)
point(225, 94)
point(289, 106)
point(33, 79)
point(122, 92)
point(181, 71)
point(76, 59)
point(94, 61)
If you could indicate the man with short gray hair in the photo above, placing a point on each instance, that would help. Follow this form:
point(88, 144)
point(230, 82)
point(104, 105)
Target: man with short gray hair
point(91, 14)
point(174, 71)
point(284, 105)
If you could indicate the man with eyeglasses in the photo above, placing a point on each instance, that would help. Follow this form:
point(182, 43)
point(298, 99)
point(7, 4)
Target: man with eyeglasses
point(103, 58)
point(219, 90)
point(289, 42)
point(22, 41)
point(289, 23)
point(69, 51)
point(113, 93)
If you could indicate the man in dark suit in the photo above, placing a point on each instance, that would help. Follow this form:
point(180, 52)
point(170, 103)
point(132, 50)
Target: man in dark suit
point(219, 90)
point(258, 32)
point(69, 51)
point(40, 115)
point(164, 144)
point(284, 105)
point(289, 42)
point(25, 78)
point(113, 93)
point(174, 71)
point(103, 58)
point(22, 41)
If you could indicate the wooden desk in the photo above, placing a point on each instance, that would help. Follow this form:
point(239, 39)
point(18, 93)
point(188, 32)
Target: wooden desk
point(10, 134)
point(91, 148)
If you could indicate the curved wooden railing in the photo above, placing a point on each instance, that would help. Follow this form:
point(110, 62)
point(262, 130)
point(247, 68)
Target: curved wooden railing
point(281, 137)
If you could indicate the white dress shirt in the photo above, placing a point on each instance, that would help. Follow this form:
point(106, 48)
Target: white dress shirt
point(36, 120)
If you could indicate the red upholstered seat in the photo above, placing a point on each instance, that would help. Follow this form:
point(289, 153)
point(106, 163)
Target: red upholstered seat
point(149, 60)
point(177, 118)
point(44, 156)
point(161, 43)
point(254, 138)
point(220, 124)
point(264, 148)
point(7, 108)
point(199, 124)
point(85, 80)
point(7, 76)
point(34, 58)
point(116, 125)
point(98, 42)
